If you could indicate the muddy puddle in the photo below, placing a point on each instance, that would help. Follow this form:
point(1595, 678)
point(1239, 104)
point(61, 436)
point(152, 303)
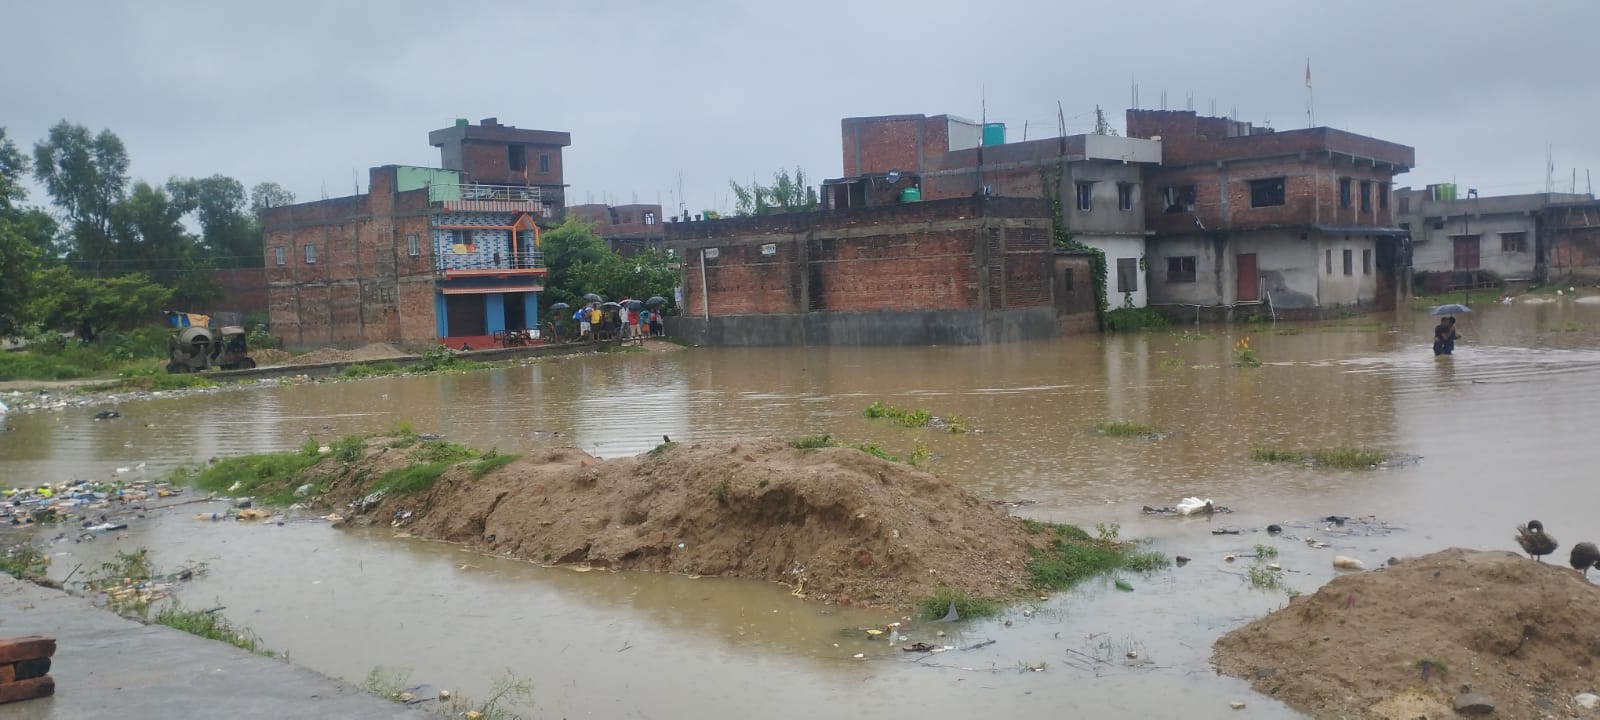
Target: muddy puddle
point(1500, 432)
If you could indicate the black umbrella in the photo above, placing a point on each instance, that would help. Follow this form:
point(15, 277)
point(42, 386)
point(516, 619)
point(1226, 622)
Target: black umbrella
point(633, 304)
point(656, 300)
point(1451, 309)
point(609, 305)
point(591, 297)
point(560, 306)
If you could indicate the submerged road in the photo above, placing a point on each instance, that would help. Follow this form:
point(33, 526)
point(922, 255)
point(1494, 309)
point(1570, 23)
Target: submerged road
point(109, 667)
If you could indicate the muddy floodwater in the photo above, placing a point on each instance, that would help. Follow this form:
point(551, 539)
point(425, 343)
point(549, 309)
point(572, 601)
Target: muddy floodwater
point(1504, 431)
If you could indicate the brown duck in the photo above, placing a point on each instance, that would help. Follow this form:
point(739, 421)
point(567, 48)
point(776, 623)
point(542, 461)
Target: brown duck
point(1534, 541)
point(1584, 556)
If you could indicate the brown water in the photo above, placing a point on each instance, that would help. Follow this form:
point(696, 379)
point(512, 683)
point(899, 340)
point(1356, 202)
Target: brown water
point(1502, 428)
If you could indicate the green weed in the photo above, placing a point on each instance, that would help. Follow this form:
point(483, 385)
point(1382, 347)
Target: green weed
point(1266, 551)
point(1347, 458)
point(876, 451)
point(919, 454)
point(413, 479)
point(356, 372)
point(24, 561)
point(387, 683)
point(350, 448)
point(1130, 319)
point(721, 491)
point(209, 625)
point(1263, 577)
point(812, 442)
point(1275, 455)
point(250, 474)
point(490, 463)
point(658, 450)
point(1033, 527)
point(956, 424)
point(1107, 533)
point(443, 451)
point(909, 418)
point(968, 606)
point(1124, 428)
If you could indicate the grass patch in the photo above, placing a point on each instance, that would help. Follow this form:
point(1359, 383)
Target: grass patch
point(1132, 319)
point(1124, 428)
point(969, 606)
point(812, 442)
point(1340, 458)
point(721, 491)
point(209, 625)
point(349, 448)
point(1073, 556)
point(413, 479)
point(957, 424)
point(443, 451)
point(355, 372)
point(24, 561)
point(253, 474)
point(1266, 551)
point(387, 683)
point(1263, 577)
point(491, 463)
point(909, 418)
point(1032, 527)
point(876, 452)
point(661, 449)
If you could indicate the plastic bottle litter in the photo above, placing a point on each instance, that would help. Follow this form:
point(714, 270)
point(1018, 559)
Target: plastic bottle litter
point(1195, 506)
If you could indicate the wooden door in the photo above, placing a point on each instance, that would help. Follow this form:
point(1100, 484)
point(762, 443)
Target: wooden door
point(1249, 282)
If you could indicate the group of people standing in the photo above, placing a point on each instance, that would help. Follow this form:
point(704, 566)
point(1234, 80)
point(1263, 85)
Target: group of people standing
point(596, 321)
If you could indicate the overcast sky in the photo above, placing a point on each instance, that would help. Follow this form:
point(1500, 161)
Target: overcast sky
point(304, 93)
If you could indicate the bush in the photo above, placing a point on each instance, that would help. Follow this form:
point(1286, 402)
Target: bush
point(1130, 319)
point(968, 606)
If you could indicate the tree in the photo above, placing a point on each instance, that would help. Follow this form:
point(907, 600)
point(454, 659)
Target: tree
point(64, 300)
point(230, 236)
point(579, 262)
point(268, 195)
point(24, 238)
point(786, 194)
point(86, 176)
point(13, 168)
point(148, 227)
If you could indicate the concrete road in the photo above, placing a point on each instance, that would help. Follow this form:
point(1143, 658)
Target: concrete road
point(108, 667)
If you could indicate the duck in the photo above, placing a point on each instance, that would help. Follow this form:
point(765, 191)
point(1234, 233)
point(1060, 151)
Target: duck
point(1584, 556)
point(1534, 541)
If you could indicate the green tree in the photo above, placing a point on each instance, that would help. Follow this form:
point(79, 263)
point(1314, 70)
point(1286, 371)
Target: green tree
point(268, 195)
point(785, 194)
point(229, 232)
point(86, 175)
point(25, 235)
point(64, 300)
point(151, 238)
point(13, 168)
point(579, 262)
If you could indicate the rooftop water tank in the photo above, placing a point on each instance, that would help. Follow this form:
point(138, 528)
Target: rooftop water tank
point(910, 194)
point(994, 134)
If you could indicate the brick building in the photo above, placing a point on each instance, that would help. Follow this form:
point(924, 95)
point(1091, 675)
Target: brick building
point(1464, 240)
point(1572, 232)
point(427, 255)
point(1098, 178)
point(627, 229)
point(957, 271)
point(1296, 221)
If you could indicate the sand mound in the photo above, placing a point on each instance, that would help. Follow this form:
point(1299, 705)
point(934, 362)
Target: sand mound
point(1356, 647)
point(374, 351)
point(323, 355)
point(838, 524)
point(270, 356)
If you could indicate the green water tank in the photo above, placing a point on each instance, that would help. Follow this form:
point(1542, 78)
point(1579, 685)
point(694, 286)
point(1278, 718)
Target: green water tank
point(461, 122)
point(994, 134)
point(910, 194)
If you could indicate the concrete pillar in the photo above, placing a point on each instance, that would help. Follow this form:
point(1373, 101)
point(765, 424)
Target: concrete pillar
point(441, 319)
point(530, 309)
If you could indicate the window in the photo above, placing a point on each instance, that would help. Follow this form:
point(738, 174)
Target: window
point(1405, 201)
point(1366, 196)
point(1405, 226)
point(1327, 262)
point(1383, 196)
point(649, 218)
point(1514, 242)
point(277, 254)
point(1085, 196)
point(1266, 193)
point(1178, 199)
point(1180, 269)
point(1344, 192)
point(1127, 275)
point(412, 248)
point(1466, 251)
point(1125, 196)
point(1349, 262)
point(544, 163)
point(517, 157)
point(1070, 282)
point(1366, 262)
point(311, 254)
point(1438, 223)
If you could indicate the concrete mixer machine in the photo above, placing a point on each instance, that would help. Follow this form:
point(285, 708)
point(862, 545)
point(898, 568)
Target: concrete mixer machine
point(194, 349)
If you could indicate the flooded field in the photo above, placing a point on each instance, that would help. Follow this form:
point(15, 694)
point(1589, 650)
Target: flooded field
point(1501, 429)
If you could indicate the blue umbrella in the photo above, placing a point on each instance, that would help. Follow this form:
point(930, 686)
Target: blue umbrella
point(1451, 309)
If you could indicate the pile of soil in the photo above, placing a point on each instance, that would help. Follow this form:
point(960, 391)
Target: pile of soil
point(374, 351)
point(1521, 632)
point(837, 524)
point(269, 357)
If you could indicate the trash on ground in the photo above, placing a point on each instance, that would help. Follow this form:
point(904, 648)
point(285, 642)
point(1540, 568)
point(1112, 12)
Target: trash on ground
point(1187, 507)
point(1345, 562)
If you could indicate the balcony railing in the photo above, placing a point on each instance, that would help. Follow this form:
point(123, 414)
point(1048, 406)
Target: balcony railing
point(474, 191)
point(485, 263)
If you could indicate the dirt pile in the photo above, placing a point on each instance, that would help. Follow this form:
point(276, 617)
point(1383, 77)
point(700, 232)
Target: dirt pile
point(270, 357)
point(836, 523)
point(374, 351)
point(1402, 642)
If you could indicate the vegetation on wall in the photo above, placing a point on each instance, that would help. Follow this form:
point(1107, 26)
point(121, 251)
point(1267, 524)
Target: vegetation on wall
point(785, 194)
point(1063, 240)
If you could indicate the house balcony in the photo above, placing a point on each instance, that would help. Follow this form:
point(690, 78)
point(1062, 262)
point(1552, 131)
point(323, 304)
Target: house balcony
point(521, 265)
point(474, 197)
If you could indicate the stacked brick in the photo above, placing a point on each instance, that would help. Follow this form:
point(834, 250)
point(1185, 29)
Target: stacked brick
point(25, 668)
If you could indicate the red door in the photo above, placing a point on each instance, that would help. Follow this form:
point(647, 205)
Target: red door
point(1249, 283)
